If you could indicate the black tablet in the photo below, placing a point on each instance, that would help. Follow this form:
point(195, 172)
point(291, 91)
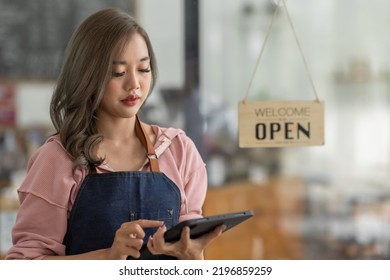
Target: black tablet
point(204, 225)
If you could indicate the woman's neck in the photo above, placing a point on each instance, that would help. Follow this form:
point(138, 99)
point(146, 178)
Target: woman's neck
point(121, 130)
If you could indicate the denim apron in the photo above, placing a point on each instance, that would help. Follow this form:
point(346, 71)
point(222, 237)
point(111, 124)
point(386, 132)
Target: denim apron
point(106, 200)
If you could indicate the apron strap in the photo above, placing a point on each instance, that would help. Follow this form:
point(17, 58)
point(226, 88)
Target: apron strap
point(150, 152)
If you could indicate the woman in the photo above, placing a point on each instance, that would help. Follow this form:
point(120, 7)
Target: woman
point(107, 186)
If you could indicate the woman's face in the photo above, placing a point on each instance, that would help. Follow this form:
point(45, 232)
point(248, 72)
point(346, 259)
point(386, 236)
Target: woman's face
point(130, 81)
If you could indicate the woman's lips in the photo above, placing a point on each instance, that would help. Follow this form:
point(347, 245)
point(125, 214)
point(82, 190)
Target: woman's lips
point(131, 100)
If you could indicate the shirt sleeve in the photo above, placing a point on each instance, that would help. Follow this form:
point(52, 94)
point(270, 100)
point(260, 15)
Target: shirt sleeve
point(195, 193)
point(182, 163)
point(45, 196)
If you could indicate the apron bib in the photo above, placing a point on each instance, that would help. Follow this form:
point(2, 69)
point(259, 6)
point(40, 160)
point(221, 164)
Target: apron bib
point(106, 200)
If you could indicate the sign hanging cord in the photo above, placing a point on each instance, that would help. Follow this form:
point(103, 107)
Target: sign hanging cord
point(298, 44)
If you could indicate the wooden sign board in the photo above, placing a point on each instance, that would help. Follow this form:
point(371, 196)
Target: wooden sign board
point(281, 123)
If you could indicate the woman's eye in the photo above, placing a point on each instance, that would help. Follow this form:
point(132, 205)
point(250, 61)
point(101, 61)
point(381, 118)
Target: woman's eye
point(145, 70)
point(118, 74)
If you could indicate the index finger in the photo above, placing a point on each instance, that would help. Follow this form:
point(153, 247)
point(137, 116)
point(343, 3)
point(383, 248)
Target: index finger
point(149, 223)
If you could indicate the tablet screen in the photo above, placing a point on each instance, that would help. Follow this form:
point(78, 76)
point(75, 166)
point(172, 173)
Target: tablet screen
point(201, 226)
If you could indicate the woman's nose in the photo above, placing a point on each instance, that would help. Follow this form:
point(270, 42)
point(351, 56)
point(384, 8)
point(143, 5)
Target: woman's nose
point(132, 82)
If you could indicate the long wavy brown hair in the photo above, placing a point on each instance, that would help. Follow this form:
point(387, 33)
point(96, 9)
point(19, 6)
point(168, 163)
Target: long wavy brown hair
point(86, 69)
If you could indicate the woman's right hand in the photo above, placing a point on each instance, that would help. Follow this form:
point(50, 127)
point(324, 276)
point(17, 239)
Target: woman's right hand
point(129, 239)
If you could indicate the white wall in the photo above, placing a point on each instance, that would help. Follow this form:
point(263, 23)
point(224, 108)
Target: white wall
point(164, 22)
point(32, 102)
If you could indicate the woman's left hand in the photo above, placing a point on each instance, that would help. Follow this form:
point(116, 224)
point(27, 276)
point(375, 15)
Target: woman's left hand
point(186, 248)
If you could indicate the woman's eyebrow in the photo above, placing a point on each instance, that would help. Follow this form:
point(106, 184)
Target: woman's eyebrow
point(119, 62)
point(122, 62)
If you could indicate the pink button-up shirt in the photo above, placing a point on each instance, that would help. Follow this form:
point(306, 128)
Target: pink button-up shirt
point(50, 189)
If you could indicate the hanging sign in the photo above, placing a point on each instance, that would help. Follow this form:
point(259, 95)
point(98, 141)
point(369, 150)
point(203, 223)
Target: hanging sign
point(281, 123)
